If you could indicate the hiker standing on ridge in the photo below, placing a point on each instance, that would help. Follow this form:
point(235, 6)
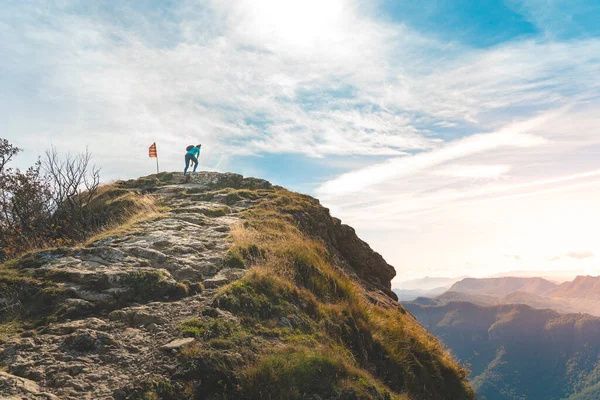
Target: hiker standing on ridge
point(193, 152)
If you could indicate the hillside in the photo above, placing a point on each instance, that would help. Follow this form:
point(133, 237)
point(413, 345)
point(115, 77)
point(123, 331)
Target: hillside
point(225, 288)
point(499, 287)
point(582, 287)
point(479, 299)
point(411, 294)
point(517, 352)
point(428, 283)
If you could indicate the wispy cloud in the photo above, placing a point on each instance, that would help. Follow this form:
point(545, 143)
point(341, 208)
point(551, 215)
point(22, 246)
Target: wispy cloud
point(580, 255)
point(576, 255)
point(474, 171)
point(420, 124)
point(512, 136)
point(263, 77)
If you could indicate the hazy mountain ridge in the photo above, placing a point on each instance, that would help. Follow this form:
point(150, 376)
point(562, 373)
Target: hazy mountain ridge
point(582, 287)
point(428, 283)
point(580, 295)
point(499, 287)
point(411, 294)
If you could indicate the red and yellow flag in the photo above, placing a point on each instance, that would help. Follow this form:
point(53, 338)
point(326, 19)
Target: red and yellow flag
point(152, 151)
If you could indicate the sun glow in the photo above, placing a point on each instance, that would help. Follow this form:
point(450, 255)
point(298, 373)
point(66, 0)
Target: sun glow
point(295, 24)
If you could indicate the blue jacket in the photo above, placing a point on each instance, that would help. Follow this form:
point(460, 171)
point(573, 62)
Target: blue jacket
point(195, 152)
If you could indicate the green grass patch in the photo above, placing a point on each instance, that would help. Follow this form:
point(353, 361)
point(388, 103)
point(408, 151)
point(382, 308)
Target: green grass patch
point(10, 328)
point(228, 196)
point(150, 285)
point(233, 259)
point(217, 212)
point(218, 333)
point(28, 301)
point(263, 296)
point(299, 372)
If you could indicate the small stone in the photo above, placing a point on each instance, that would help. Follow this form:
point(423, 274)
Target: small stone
point(143, 318)
point(130, 332)
point(83, 341)
point(285, 323)
point(215, 282)
point(296, 321)
point(210, 312)
point(152, 327)
point(177, 344)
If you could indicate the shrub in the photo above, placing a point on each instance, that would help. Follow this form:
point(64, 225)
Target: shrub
point(56, 202)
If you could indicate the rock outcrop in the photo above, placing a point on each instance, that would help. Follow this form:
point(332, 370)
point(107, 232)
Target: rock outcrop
point(112, 327)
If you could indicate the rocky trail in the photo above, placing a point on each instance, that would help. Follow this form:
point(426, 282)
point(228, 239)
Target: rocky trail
point(99, 357)
point(163, 307)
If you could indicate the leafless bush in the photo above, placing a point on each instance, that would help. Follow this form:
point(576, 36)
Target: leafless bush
point(73, 184)
point(48, 204)
point(7, 152)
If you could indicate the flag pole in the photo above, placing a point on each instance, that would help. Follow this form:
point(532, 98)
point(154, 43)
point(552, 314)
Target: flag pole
point(153, 154)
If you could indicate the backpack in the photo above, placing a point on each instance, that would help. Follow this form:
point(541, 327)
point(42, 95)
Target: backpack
point(191, 146)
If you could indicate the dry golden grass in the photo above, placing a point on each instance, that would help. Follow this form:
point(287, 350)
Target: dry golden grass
point(9, 328)
point(126, 210)
point(130, 210)
point(410, 361)
point(294, 370)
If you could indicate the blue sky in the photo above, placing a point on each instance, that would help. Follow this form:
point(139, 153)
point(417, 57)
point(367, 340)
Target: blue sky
point(473, 23)
point(466, 127)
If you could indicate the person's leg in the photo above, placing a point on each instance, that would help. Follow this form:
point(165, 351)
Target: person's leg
point(187, 164)
point(195, 163)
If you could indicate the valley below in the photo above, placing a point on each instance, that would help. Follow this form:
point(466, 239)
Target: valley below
point(522, 338)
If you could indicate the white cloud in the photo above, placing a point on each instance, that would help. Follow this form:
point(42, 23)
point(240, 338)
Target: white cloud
point(426, 216)
point(322, 79)
point(236, 73)
point(475, 171)
point(512, 136)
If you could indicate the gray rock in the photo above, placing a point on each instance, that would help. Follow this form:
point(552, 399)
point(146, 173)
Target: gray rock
point(15, 387)
point(152, 327)
point(177, 344)
point(224, 276)
point(285, 323)
point(89, 340)
point(136, 316)
point(296, 321)
point(96, 358)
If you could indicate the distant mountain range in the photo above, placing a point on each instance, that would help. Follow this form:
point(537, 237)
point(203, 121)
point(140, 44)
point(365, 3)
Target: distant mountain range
point(427, 283)
point(582, 287)
point(499, 287)
point(511, 332)
point(580, 295)
point(554, 276)
point(411, 294)
point(517, 352)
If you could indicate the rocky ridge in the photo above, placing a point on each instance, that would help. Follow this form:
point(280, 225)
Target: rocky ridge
point(124, 297)
point(95, 357)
